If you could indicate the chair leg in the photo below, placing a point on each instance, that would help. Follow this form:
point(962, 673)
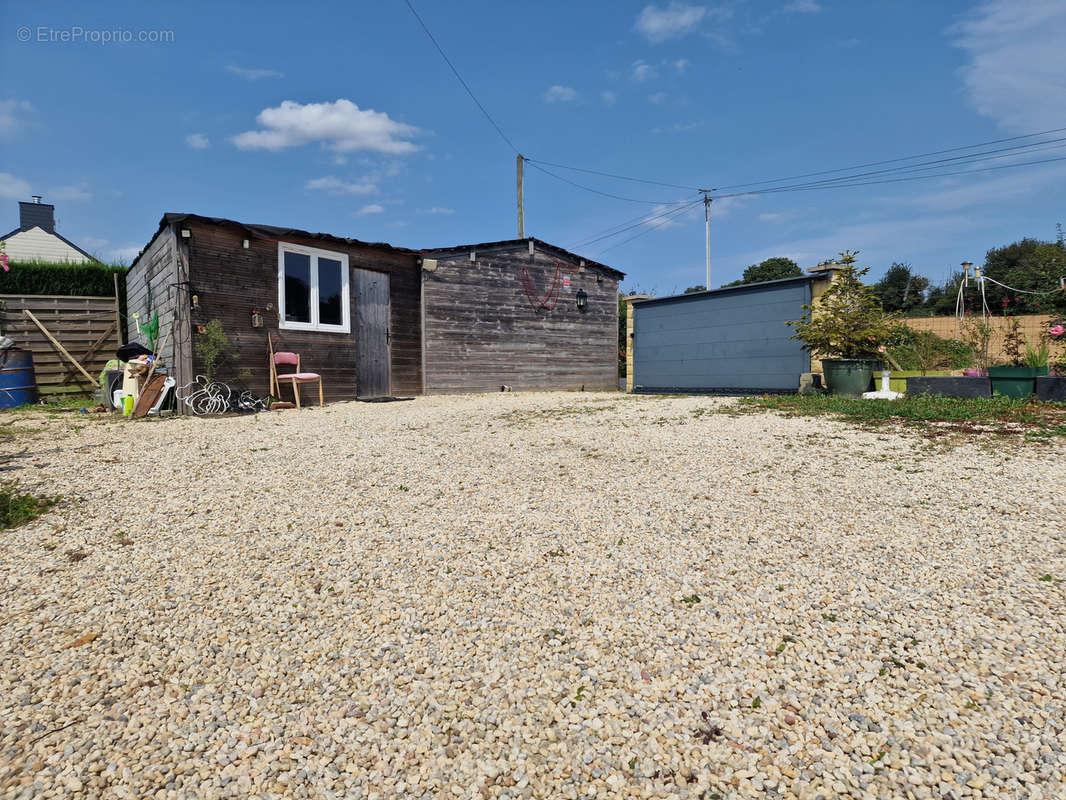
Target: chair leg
point(321, 402)
point(296, 393)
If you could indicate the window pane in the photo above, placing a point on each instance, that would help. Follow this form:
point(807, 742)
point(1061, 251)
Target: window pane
point(330, 286)
point(297, 287)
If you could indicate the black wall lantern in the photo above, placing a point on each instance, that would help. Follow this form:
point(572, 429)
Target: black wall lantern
point(582, 299)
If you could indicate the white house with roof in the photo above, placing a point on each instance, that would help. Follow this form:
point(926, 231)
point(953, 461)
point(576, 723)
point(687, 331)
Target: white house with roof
point(35, 239)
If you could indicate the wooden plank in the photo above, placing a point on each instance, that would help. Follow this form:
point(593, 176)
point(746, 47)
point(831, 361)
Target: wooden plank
point(91, 351)
point(60, 347)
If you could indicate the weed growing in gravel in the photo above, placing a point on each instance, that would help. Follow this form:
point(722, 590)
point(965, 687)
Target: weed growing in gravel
point(17, 508)
point(930, 416)
point(1050, 579)
point(829, 617)
point(692, 598)
point(756, 703)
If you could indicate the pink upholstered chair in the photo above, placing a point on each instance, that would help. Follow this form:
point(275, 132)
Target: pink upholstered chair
point(295, 378)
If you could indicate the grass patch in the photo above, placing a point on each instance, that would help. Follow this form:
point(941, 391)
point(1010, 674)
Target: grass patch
point(934, 416)
point(17, 508)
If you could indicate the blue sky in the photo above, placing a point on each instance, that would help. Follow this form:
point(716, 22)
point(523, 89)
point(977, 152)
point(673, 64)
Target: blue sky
point(342, 118)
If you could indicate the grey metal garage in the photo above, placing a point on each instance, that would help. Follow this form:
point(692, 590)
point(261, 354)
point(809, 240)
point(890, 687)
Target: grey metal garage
point(730, 340)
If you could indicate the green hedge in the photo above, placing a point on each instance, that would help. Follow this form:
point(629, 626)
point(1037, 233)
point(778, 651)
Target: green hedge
point(81, 280)
point(39, 277)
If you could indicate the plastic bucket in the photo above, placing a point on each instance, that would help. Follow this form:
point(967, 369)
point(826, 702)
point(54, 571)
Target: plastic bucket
point(18, 384)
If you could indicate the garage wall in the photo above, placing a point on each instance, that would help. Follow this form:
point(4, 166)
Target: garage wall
point(726, 340)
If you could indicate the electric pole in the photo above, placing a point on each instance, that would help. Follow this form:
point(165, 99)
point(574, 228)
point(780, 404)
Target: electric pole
point(707, 225)
point(521, 209)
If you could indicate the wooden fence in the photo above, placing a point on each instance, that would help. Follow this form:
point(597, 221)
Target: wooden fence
point(87, 327)
point(1031, 327)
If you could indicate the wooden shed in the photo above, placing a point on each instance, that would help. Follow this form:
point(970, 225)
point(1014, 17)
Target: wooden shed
point(520, 313)
point(373, 319)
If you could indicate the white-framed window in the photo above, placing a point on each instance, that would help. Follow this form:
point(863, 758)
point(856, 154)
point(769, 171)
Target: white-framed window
point(313, 289)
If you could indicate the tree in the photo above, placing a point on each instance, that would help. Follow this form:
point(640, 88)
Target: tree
point(699, 288)
point(901, 289)
point(772, 269)
point(848, 321)
point(1029, 266)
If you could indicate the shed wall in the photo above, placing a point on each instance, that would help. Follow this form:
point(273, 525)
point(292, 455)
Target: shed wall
point(733, 341)
point(230, 281)
point(152, 287)
point(482, 330)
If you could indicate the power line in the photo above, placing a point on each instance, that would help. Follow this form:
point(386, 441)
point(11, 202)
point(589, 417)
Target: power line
point(811, 187)
point(619, 177)
point(597, 191)
point(649, 229)
point(636, 224)
point(963, 158)
point(942, 163)
point(455, 72)
point(896, 160)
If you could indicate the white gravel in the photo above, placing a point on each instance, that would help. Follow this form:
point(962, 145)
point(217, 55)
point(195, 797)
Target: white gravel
point(546, 595)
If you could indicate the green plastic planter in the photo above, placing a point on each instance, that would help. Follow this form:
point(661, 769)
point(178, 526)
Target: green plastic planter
point(849, 376)
point(1015, 382)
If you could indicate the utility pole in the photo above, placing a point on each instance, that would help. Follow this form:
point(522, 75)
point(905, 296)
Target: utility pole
point(521, 203)
point(707, 225)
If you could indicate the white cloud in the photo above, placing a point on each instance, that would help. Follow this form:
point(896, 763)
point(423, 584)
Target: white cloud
point(803, 7)
point(93, 243)
point(643, 71)
point(373, 208)
point(658, 98)
point(197, 141)
point(13, 188)
point(10, 113)
point(440, 210)
point(608, 97)
point(340, 126)
point(679, 127)
point(1017, 68)
point(334, 185)
point(253, 74)
point(560, 94)
point(681, 64)
point(675, 20)
point(69, 193)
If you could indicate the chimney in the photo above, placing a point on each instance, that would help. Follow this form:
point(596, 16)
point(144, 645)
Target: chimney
point(37, 215)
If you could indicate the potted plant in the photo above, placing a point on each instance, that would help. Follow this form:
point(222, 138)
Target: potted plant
point(1026, 363)
point(845, 327)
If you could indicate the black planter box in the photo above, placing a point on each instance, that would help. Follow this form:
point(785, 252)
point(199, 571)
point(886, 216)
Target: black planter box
point(950, 386)
point(1051, 389)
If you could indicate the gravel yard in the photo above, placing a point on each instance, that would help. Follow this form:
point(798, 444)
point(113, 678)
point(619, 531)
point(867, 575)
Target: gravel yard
point(542, 595)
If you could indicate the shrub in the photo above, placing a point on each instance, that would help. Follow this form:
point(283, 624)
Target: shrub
point(925, 350)
point(848, 321)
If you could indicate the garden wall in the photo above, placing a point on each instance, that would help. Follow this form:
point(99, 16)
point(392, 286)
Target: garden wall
point(1030, 325)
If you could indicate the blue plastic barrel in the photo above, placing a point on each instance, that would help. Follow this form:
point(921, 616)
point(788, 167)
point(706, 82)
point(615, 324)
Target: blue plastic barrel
point(18, 384)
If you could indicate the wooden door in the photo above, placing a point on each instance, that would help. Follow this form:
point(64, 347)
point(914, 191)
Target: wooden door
point(372, 351)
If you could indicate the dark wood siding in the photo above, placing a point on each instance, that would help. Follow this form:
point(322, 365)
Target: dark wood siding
point(484, 331)
point(153, 285)
point(230, 281)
